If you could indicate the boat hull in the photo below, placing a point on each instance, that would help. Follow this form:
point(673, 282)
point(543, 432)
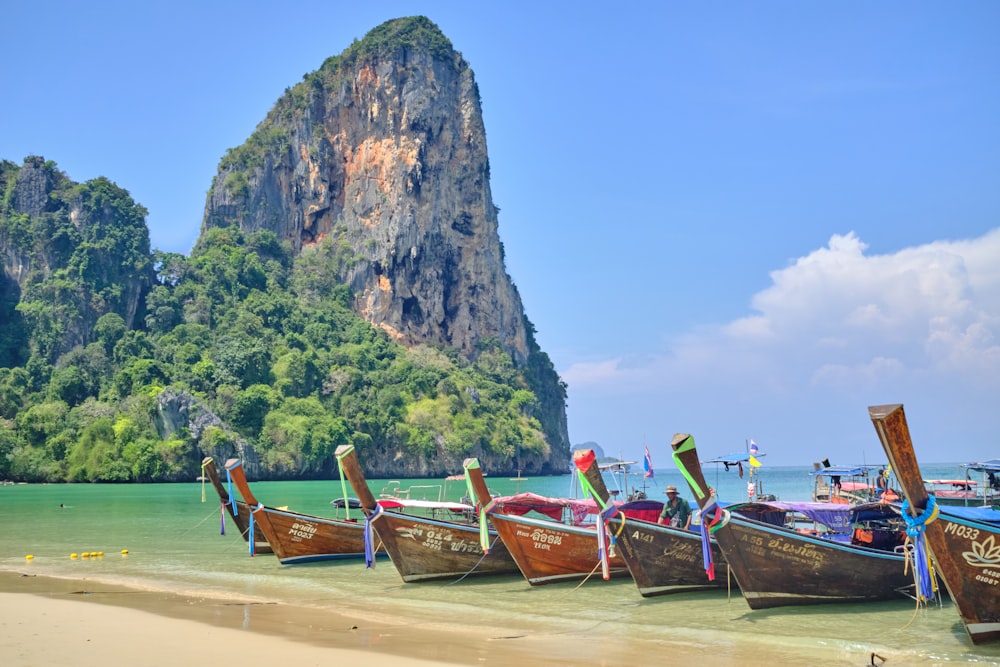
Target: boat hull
point(665, 560)
point(424, 549)
point(302, 538)
point(966, 553)
point(548, 552)
point(237, 510)
point(778, 567)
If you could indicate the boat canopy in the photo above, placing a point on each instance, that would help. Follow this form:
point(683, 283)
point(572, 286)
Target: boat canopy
point(983, 514)
point(645, 509)
point(992, 465)
point(837, 517)
point(615, 465)
point(733, 459)
point(522, 503)
point(352, 503)
point(957, 483)
point(406, 503)
point(844, 471)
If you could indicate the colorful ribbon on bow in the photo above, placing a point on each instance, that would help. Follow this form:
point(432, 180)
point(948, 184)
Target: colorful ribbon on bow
point(923, 569)
point(370, 537)
point(711, 517)
point(605, 538)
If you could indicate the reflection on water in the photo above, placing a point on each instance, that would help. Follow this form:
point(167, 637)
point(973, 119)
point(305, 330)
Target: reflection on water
point(173, 543)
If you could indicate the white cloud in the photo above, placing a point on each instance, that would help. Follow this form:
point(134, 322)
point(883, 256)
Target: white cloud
point(840, 318)
point(836, 330)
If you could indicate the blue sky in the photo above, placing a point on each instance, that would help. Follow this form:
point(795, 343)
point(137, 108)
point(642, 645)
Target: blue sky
point(736, 220)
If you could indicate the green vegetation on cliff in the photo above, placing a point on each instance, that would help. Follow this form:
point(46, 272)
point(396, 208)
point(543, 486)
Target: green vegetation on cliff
point(264, 339)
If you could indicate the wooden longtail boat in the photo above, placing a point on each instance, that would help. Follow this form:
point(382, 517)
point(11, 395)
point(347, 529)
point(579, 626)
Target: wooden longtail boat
point(661, 558)
point(849, 484)
point(966, 551)
point(237, 510)
point(300, 538)
point(561, 547)
point(776, 566)
point(424, 547)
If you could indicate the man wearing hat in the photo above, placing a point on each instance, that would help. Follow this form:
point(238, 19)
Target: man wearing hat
point(676, 510)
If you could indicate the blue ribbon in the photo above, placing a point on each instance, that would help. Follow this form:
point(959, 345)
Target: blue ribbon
point(250, 538)
point(370, 537)
point(232, 505)
point(915, 527)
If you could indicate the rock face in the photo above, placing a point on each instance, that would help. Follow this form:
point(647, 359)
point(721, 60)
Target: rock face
point(381, 155)
point(383, 150)
point(93, 231)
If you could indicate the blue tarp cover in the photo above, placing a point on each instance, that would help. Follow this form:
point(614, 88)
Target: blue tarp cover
point(983, 514)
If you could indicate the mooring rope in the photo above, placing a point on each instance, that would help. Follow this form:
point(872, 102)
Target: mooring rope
point(485, 554)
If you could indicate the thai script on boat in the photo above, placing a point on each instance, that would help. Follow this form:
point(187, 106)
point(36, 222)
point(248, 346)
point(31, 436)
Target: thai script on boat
point(545, 540)
point(302, 531)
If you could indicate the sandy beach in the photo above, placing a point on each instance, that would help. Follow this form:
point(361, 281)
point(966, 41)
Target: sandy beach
point(50, 621)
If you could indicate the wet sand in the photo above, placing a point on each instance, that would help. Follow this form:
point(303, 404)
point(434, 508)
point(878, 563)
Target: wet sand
point(48, 621)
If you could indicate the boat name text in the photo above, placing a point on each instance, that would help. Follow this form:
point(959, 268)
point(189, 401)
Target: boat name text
point(302, 531)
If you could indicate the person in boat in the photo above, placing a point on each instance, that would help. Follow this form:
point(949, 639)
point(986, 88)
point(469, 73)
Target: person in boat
point(676, 511)
point(880, 481)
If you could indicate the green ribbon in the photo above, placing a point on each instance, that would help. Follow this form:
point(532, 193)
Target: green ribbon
point(587, 488)
point(687, 446)
point(343, 482)
point(484, 528)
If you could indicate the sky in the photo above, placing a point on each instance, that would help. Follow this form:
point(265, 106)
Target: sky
point(735, 220)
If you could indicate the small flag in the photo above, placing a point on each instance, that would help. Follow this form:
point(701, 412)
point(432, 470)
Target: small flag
point(647, 463)
point(754, 462)
point(753, 448)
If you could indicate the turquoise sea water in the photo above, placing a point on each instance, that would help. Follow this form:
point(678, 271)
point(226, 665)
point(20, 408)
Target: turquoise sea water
point(174, 543)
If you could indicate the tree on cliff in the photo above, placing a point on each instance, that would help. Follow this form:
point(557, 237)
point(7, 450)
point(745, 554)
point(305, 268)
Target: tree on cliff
point(348, 286)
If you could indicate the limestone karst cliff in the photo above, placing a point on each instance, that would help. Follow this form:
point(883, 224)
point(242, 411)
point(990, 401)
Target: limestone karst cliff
point(383, 149)
point(382, 153)
point(51, 228)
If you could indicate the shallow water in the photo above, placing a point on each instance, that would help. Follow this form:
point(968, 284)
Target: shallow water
point(174, 543)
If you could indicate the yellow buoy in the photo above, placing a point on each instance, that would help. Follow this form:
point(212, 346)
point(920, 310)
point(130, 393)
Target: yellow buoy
point(85, 554)
point(73, 556)
point(124, 552)
point(100, 553)
point(29, 557)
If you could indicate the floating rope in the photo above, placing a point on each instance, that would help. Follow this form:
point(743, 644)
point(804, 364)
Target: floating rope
point(923, 569)
point(370, 537)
